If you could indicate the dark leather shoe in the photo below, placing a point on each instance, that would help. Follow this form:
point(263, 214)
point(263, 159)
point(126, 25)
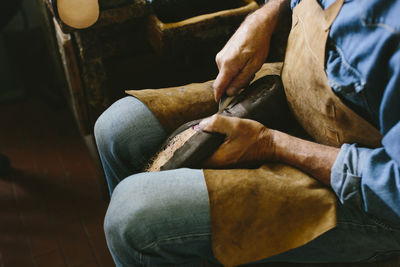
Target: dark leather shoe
point(264, 101)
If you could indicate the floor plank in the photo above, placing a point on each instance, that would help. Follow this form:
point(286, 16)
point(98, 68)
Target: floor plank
point(51, 207)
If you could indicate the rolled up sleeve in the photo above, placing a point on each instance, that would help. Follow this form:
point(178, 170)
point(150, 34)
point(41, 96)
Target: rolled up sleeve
point(368, 179)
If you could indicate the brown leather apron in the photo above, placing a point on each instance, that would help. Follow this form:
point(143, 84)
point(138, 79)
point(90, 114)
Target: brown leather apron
point(321, 113)
point(175, 106)
point(259, 213)
point(262, 212)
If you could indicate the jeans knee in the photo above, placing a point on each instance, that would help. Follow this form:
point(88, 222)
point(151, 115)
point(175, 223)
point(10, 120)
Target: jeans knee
point(123, 232)
point(101, 128)
point(115, 124)
point(127, 123)
point(107, 129)
point(130, 216)
point(159, 214)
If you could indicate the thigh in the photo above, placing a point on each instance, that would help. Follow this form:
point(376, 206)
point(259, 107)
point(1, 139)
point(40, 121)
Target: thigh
point(357, 238)
point(168, 214)
point(273, 195)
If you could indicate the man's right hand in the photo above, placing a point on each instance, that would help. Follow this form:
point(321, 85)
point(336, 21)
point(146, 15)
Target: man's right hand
point(247, 50)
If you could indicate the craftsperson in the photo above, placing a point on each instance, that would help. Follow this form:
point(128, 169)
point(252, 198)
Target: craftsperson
point(163, 218)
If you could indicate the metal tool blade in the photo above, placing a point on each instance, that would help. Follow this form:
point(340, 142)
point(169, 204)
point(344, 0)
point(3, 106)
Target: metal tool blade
point(224, 101)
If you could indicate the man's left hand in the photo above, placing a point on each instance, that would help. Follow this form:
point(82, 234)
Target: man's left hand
point(246, 142)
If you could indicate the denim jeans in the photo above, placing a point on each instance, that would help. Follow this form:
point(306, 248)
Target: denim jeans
point(162, 218)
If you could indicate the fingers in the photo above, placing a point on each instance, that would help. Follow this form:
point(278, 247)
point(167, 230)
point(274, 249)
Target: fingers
point(246, 141)
point(221, 83)
point(229, 61)
point(243, 78)
point(219, 124)
point(223, 125)
point(232, 80)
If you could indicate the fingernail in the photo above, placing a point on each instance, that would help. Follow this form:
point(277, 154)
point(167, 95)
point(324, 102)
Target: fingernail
point(231, 91)
point(204, 123)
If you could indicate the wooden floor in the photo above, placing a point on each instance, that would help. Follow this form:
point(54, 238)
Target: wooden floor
point(51, 208)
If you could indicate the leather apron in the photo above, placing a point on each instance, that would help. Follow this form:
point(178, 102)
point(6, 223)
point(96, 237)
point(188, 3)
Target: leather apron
point(321, 113)
point(258, 213)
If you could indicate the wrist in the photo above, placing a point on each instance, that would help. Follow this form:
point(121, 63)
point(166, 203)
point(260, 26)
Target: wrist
point(312, 158)
point(279, 139)
point(267, 145)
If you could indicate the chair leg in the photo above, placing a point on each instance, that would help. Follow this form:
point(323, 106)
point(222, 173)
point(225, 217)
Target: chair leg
point(5, 165)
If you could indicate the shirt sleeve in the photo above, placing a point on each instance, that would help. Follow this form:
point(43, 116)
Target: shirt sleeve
point(369, 179)
point(294, 3)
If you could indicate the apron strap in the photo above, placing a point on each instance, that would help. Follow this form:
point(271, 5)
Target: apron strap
point(331, 13)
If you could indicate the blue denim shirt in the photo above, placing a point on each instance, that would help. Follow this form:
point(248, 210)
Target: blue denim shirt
point(363, 68)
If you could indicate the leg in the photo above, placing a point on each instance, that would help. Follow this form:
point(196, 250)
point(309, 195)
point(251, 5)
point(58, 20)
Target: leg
point(357, 238)
point(127, 135)
point(163, 218)
point(160, 219)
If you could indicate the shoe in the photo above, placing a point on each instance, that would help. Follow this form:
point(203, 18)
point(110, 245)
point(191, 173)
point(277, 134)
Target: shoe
point(78, 14)
point(263, 101)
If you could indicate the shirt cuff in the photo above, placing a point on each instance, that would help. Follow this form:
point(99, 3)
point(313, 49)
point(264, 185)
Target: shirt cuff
point(346, 174)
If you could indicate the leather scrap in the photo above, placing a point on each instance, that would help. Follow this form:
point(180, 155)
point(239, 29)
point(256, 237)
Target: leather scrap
point(175, 106)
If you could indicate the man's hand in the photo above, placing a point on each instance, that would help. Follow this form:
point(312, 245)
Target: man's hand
point(246, 142)
point(247, 50)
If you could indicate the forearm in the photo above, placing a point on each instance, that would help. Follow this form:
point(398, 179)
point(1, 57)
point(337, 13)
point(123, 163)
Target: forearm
point(248, 141)
point(271, 14)
point(246, 51)
point(266, 19)
point(312, 158)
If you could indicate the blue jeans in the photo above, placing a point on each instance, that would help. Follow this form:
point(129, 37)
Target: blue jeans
point(162, 219)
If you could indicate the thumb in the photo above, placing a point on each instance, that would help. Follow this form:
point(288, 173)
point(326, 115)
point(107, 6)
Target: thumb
point(218, 123)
